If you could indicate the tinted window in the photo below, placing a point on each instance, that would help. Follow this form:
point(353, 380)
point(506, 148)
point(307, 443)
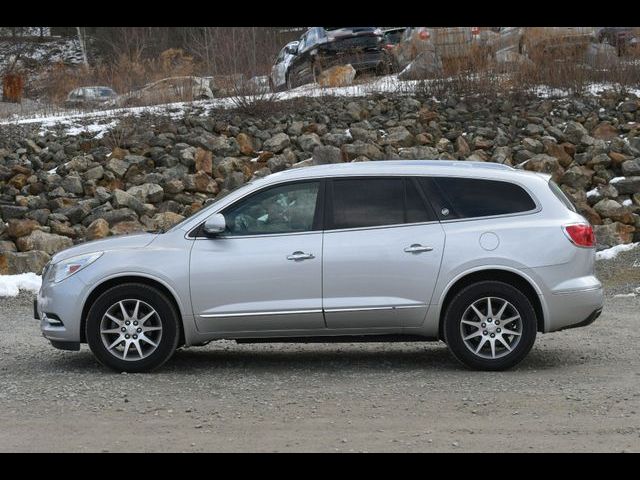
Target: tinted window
point(470, 197)
point(415, 205)
point(371, 202)
point(283, 209)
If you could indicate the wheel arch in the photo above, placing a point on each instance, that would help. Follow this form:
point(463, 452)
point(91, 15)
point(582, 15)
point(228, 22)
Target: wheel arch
point(524, 284)
point(130, 278)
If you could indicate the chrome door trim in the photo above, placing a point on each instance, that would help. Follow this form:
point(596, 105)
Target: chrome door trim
point(254, 314)
point(366, 309)
point(299, 312)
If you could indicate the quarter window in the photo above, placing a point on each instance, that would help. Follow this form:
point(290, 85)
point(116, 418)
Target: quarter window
point(472, 197)
point(283, 209)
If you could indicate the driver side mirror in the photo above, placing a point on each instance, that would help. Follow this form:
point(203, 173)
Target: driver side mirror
point(214, 225)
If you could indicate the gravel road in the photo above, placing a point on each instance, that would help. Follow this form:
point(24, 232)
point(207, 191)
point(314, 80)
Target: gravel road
point(578, 390)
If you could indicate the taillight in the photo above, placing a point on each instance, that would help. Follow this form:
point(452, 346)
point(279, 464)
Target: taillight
point(580, 234)
point(475, 30)
point(389, 46)
point(424, 35)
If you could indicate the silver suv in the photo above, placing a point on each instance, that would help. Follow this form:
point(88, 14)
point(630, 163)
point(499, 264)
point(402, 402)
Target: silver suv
point(479, 255)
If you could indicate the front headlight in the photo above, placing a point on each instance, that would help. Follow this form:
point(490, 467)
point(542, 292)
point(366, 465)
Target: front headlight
point(66, 268)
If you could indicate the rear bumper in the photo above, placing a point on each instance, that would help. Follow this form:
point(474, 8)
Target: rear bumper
point(573, 309)
point(587, 321)
point(359, 60)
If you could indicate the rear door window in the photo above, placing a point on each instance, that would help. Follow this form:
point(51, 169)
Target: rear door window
point(372, 202)
point(455, 198)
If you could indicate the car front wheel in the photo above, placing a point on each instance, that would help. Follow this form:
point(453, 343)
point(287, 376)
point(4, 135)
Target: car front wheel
point(490, 325)
point(132, 328)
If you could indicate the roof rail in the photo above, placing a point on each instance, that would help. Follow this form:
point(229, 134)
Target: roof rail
point(448, 163)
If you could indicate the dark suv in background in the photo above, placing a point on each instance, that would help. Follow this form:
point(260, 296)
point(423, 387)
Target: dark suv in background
point(324, 47)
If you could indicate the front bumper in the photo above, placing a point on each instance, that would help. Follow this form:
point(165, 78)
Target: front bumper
point(59, 309)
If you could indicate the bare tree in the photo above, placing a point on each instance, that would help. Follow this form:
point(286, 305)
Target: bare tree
point(83, 45)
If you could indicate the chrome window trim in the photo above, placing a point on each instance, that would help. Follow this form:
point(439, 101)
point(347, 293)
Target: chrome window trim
point(538, 208)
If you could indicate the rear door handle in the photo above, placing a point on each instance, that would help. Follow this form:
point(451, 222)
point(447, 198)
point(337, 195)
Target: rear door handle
point(300, 256)
point(417, 248)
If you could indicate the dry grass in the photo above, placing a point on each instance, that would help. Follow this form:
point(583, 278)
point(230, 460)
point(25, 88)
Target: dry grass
point(124, 74)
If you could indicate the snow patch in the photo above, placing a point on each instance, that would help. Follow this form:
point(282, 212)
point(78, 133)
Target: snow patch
point(592, 193)
point(613, 252)
point(98, 129)
point(627, 202)
point(624, 295)
point(10, 285)
point(616, 179)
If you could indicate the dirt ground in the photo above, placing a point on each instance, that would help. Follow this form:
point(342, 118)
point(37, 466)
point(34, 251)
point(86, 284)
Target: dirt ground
point(578, 390)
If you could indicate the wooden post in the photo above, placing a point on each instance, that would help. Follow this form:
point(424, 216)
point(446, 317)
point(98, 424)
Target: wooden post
point(12, 86)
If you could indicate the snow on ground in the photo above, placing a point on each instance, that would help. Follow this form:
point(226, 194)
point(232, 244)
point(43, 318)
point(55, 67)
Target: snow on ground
point(99, 122)
point(613, 252)
point(10, 285)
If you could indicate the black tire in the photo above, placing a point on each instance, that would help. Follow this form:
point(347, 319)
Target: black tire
point(462, 301)
point(166, 315)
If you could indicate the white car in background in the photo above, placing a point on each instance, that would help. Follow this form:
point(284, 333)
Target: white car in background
point(278, 77)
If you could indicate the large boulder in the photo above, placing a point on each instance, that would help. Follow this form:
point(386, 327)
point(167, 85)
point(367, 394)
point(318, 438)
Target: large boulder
point(631, 167)
point(7, 246)
point(338, 76)
point(277, 143)
point(97, 229)
point(309, 141)
point(352, 151)
point(577, 177)
point(120, 199)
point(627, 185)
point(200, 182)
point(427, 64)
point(12, 263)
point(20, 227)
point(125, 228)
point(165, 220)
point(574, 132)
point(47, 242)
point(147, 193)
point(604, 131)
point(612, 234)
point(399, 137)
point(12, 211)
point(203, 161)
point(245, 144)
point(326, 154)
point(615, 211)
point(545, 164)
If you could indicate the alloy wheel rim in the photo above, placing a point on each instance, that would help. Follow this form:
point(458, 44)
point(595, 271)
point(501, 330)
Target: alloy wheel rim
point(131, 330)
point(491, 327)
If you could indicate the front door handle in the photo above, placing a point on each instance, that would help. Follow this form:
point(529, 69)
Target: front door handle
point(417, 248)
point(300, 256)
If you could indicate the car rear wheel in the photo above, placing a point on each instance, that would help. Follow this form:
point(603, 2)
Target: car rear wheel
point(132, 328)
point(490, 325)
